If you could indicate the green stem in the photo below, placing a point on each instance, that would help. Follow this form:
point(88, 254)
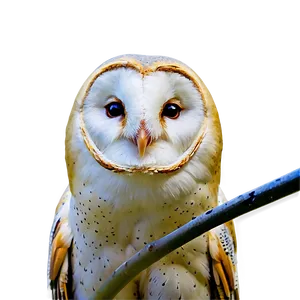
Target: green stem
point(236, 207)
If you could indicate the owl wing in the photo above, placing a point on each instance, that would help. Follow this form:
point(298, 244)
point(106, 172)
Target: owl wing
point(222, 249)
point(59, 271)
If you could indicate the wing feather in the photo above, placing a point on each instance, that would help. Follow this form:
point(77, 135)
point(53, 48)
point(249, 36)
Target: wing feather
point(59, 272)
point(222, 249)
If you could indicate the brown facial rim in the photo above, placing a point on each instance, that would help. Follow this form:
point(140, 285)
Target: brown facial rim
point(159, 66)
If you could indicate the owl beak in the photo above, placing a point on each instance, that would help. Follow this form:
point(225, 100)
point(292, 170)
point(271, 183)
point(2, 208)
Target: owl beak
point(142, 140)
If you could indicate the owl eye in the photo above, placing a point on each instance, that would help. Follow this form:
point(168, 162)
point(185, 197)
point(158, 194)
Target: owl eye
point(114, 109)
point(171, 110)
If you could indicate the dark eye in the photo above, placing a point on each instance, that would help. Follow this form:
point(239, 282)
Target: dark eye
point(171, 110)
point(114, 109)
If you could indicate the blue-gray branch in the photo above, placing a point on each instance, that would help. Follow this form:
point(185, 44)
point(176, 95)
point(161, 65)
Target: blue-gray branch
point(236, 207)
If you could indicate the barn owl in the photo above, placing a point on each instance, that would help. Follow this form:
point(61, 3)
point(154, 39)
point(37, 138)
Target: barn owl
point(143, 153)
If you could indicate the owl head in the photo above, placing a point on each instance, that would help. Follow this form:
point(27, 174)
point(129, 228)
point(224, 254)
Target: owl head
point(148, 117)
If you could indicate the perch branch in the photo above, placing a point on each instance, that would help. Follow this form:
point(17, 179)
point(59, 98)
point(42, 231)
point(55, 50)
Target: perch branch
point(265, 194)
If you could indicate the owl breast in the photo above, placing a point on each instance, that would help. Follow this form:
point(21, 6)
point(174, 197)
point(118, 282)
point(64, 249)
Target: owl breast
point(105, 236)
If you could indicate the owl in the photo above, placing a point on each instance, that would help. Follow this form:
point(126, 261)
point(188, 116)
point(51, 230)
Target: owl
point(143, 153)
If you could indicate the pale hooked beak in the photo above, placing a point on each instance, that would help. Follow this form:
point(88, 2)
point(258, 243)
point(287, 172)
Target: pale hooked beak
point(142, 140)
